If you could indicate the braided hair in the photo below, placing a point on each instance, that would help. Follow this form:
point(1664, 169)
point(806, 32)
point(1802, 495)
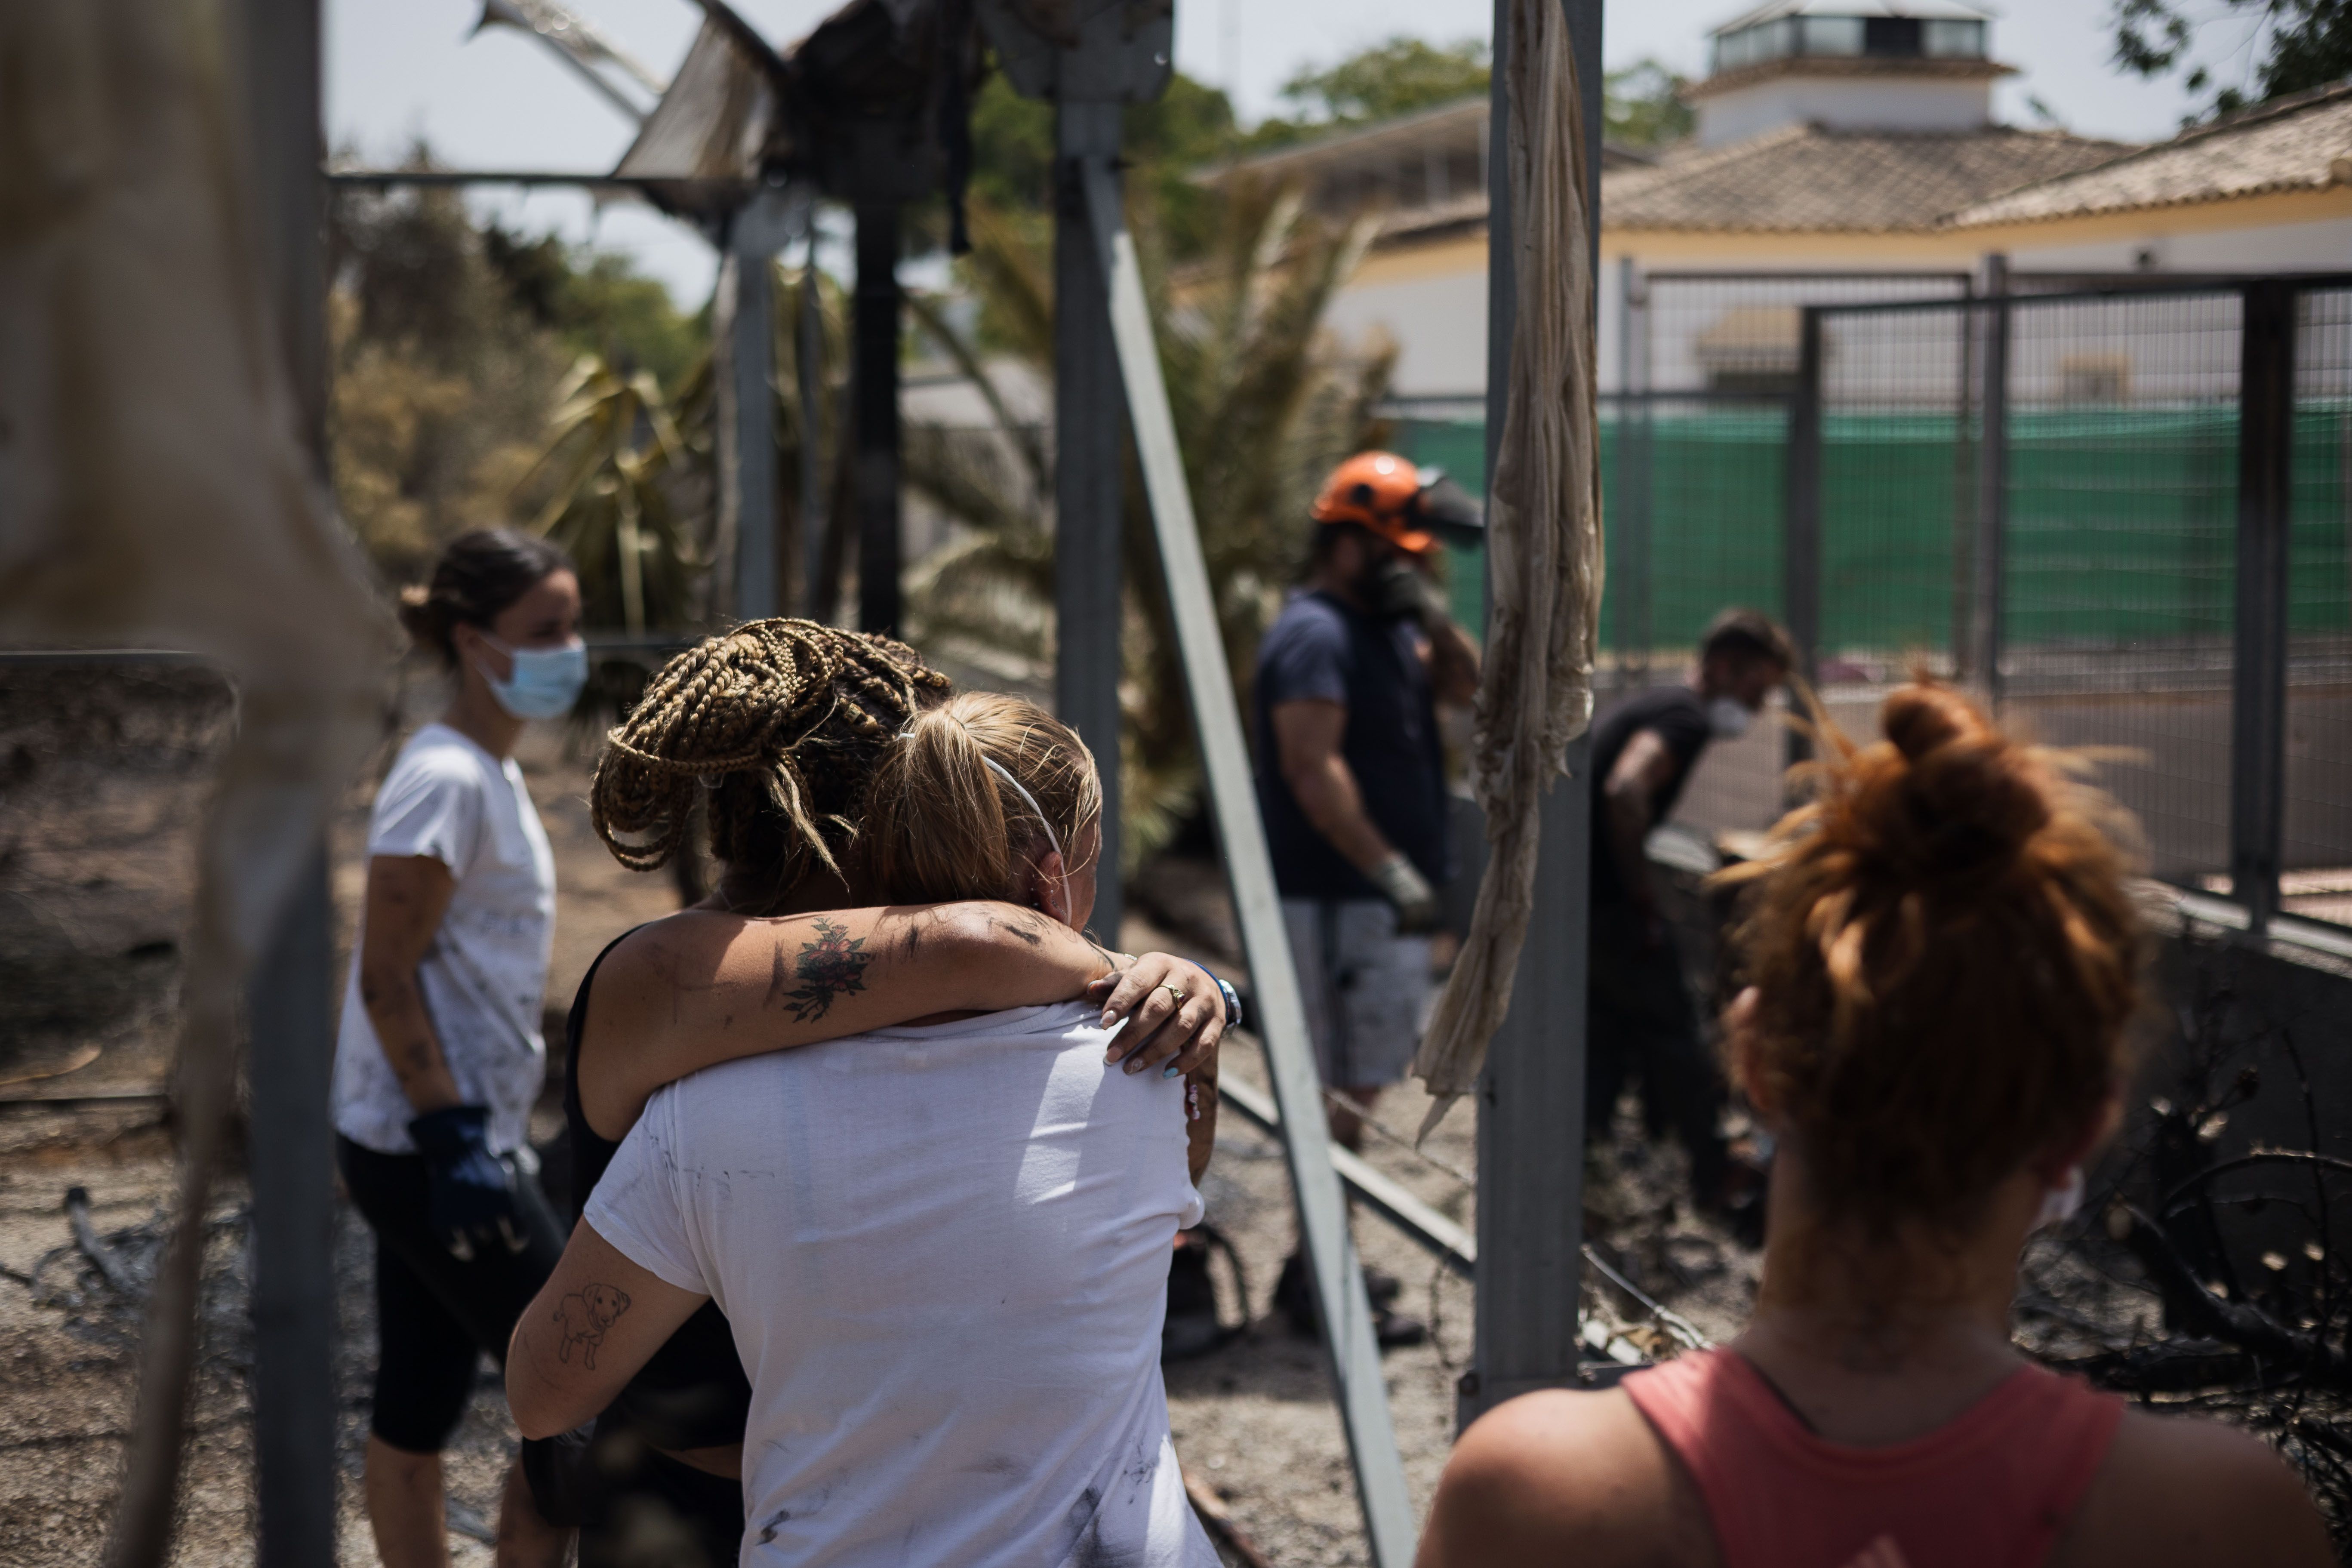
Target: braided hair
point(778, 726)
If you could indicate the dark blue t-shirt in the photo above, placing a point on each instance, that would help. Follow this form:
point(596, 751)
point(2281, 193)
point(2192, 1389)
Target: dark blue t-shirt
point(1319, 649)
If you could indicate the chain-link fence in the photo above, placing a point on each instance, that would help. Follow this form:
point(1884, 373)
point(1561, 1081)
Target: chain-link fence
point(2123, 512)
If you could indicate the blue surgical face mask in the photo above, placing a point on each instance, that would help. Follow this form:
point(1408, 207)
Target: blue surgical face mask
point(546, 682)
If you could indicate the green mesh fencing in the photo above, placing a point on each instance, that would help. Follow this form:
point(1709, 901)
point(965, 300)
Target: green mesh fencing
point(2121, 523)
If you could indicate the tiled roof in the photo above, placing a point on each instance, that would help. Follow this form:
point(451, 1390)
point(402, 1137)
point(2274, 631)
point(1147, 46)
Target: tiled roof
point(1807, 179)
point(2296, 144)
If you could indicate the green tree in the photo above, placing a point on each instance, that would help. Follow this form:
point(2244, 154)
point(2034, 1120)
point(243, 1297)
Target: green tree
point(597, 303)
point(450, 342)
point(609, 477)
point(440, 385)
point(1642, 106)
point(1264, 401)
point(1388, 80)
point(2307, 43)
point(1164, 141)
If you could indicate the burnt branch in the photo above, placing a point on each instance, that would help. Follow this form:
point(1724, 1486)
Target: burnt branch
point(2171, 1200)
point(2306, 1356)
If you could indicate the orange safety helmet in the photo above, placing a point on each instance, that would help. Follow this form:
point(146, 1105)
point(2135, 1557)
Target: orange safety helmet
point(1387, 495)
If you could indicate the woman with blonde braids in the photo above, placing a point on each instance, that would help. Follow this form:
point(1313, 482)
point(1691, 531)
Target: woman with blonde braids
point(778, 731)
point(1943, 958)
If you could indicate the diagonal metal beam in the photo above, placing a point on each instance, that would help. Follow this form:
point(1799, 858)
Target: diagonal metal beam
point(1354, 1355)
point(578, 43)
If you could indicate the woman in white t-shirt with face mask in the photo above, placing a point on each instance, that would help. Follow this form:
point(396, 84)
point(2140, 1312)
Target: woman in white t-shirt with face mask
point(439, 1055)
point(941, 1248)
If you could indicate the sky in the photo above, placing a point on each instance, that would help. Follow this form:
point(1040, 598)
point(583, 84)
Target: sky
point(501, 100)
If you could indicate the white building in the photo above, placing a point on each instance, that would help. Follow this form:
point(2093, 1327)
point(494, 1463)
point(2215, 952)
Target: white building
point(1845, 150)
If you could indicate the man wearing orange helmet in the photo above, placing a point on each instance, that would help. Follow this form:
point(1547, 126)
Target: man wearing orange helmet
point(1350, 779)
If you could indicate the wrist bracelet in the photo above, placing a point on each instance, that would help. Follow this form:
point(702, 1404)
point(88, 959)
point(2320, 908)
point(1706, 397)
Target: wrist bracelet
point(1233, 1001)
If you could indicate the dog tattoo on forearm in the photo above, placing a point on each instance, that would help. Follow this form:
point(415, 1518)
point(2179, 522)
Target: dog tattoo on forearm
point(585, 1314)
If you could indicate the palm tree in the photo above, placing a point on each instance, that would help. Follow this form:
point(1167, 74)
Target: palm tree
point(614, 461)
point(1265, 402)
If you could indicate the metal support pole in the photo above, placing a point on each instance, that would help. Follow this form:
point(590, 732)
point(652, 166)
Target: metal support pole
point(2258, 692)
point(877, 377)
point(290, 1165)
point(290, 1160)
point(1090, 418)
point(1801, 569)
point(1990, 600)
point(1355, 1358)
point(1531, 1096)
point(751, 367)
point(808, 363)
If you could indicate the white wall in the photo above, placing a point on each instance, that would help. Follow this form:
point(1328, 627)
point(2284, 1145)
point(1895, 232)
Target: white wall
point(2324, 247)
point(1439, 324)
point(1856, 103)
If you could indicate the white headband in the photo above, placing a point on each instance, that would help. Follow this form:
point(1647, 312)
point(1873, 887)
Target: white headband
point(1052, 838)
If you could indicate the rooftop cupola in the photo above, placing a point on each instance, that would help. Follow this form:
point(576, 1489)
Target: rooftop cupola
point(1849, 64)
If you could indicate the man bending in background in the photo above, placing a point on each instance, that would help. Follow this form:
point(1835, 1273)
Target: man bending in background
point(1641, 1022)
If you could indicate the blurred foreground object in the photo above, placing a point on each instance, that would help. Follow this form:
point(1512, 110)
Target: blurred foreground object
point(155, 490)
point(1543, 543)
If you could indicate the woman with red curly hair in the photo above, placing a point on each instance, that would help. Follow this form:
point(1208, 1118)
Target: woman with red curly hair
point(1943, 959)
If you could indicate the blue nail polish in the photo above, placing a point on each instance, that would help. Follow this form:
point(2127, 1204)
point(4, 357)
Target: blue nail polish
point(1168, 1071)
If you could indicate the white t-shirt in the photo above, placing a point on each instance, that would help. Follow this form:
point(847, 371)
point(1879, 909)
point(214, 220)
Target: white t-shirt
point(485, 975)
point(944, 1254)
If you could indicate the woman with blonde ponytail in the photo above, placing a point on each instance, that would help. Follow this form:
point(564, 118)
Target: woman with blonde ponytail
point(890, 856)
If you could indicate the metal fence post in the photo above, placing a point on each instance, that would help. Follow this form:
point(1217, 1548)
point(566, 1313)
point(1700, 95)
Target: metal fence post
point(1801, 561)
point(1988, 601)
point(875, 375)
point(1633, 532)
point(2258, 692)
point(291, 1044)
point(1089, 421)
point(1964, 490)
point(1531, 1096)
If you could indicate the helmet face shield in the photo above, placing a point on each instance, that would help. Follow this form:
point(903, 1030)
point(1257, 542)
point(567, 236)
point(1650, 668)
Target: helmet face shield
point(1448, 510)
point(1410, 506)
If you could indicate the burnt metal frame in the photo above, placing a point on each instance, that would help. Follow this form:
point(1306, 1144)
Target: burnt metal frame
point(1089, 424)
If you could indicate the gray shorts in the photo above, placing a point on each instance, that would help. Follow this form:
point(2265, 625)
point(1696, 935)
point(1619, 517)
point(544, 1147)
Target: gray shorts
point(1367, 988)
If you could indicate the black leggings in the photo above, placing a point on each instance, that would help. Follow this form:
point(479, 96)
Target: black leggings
point(1641, 1022)
point(656, 1511)
point(435, 1315)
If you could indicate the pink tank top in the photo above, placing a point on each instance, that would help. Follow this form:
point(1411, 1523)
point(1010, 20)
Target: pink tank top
point(1991, 1489)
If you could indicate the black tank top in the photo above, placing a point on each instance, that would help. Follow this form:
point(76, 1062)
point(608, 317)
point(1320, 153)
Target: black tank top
point(693, 1393)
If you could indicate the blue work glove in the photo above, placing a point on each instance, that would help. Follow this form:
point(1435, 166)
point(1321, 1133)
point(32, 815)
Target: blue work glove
point(471, 1199)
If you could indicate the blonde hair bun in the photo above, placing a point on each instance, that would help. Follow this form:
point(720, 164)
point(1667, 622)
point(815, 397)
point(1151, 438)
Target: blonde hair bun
point(942, 825)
